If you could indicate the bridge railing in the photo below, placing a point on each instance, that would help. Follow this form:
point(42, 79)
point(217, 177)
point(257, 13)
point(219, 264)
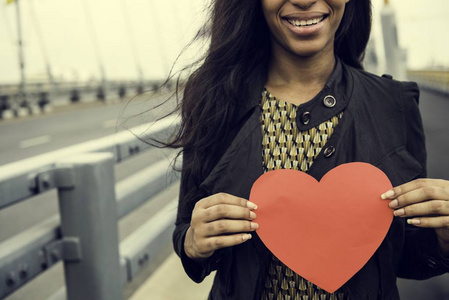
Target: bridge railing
point(84, 234)
point(436, 80)
point(40, 96)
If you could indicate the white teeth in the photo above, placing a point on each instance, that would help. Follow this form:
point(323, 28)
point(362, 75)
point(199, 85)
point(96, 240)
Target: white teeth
point(305, 22)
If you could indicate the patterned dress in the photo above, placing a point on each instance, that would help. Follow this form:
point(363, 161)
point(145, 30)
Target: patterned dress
point(286, 147)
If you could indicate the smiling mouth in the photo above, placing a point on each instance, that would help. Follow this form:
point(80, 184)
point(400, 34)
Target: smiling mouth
point(304, 23)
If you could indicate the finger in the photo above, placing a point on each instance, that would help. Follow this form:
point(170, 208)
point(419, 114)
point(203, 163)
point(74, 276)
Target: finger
point(222, 241)
point(226, 227)
point(413, 185)
point(226, 211)
point(430, 222)
point(427, 208)
point(419, 195)
point(223, 198)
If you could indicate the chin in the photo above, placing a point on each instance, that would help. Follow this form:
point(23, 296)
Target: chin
point(307, 50)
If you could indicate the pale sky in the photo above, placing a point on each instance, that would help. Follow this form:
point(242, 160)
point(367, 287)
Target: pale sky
point(160, 28)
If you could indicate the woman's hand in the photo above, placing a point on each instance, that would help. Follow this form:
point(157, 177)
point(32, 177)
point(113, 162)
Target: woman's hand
point(219, 221)
point(426, 203)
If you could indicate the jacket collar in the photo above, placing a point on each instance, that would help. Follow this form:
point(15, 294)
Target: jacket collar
point(339, 86)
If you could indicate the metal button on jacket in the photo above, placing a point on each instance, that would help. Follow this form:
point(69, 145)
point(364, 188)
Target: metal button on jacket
point(328, 151)
point(305, 117)
point(329, 101)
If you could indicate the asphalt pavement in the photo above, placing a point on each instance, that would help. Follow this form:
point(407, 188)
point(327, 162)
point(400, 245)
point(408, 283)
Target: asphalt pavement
point(69, 125)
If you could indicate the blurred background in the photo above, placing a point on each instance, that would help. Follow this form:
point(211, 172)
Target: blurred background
point(67, 72)
point(130, 39)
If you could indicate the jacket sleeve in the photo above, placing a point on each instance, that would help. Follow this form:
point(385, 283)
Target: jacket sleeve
point(189, 194)
point(421, 258)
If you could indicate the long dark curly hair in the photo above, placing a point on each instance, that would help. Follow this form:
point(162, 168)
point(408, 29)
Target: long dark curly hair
point(240, 41)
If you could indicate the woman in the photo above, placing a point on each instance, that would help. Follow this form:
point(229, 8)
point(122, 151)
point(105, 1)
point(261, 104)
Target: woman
point(282, 86)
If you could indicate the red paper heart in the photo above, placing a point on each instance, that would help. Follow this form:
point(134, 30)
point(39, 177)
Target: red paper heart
point(325, 231)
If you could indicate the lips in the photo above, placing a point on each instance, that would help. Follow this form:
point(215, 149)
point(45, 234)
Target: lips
point(305, 20)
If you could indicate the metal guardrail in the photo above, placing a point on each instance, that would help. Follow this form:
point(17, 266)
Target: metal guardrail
point(436, 80)
point(32, 176)
point(85, 232)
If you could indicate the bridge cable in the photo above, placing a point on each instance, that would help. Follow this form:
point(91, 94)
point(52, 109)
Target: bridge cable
point(160, 39)
point(132, 40)
point(94, 39)
point(41, 41)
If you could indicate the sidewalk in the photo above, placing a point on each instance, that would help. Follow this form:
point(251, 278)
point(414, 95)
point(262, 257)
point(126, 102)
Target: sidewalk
point(169, 282)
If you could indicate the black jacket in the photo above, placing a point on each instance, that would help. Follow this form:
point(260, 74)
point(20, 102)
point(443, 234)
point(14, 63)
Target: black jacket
point(381, 125)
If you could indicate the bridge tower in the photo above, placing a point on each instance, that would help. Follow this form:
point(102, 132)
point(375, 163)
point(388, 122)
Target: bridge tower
point(395, 56)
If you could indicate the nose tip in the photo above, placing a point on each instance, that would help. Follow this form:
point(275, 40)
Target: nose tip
point(303, 4)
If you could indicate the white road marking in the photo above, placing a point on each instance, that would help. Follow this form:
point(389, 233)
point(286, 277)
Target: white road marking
point(109, 123)
point(35, 141)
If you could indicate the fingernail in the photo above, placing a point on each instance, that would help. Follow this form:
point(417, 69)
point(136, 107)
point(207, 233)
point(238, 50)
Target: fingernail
point(252, 215)
point(399, 212)
point(414, 221)
point(254, 225)
point(387, 195)
point(246, 237)
point(394, 203)
point(251, 205)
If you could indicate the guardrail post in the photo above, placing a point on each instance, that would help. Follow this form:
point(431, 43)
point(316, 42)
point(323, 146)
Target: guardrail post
point(88, 212)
